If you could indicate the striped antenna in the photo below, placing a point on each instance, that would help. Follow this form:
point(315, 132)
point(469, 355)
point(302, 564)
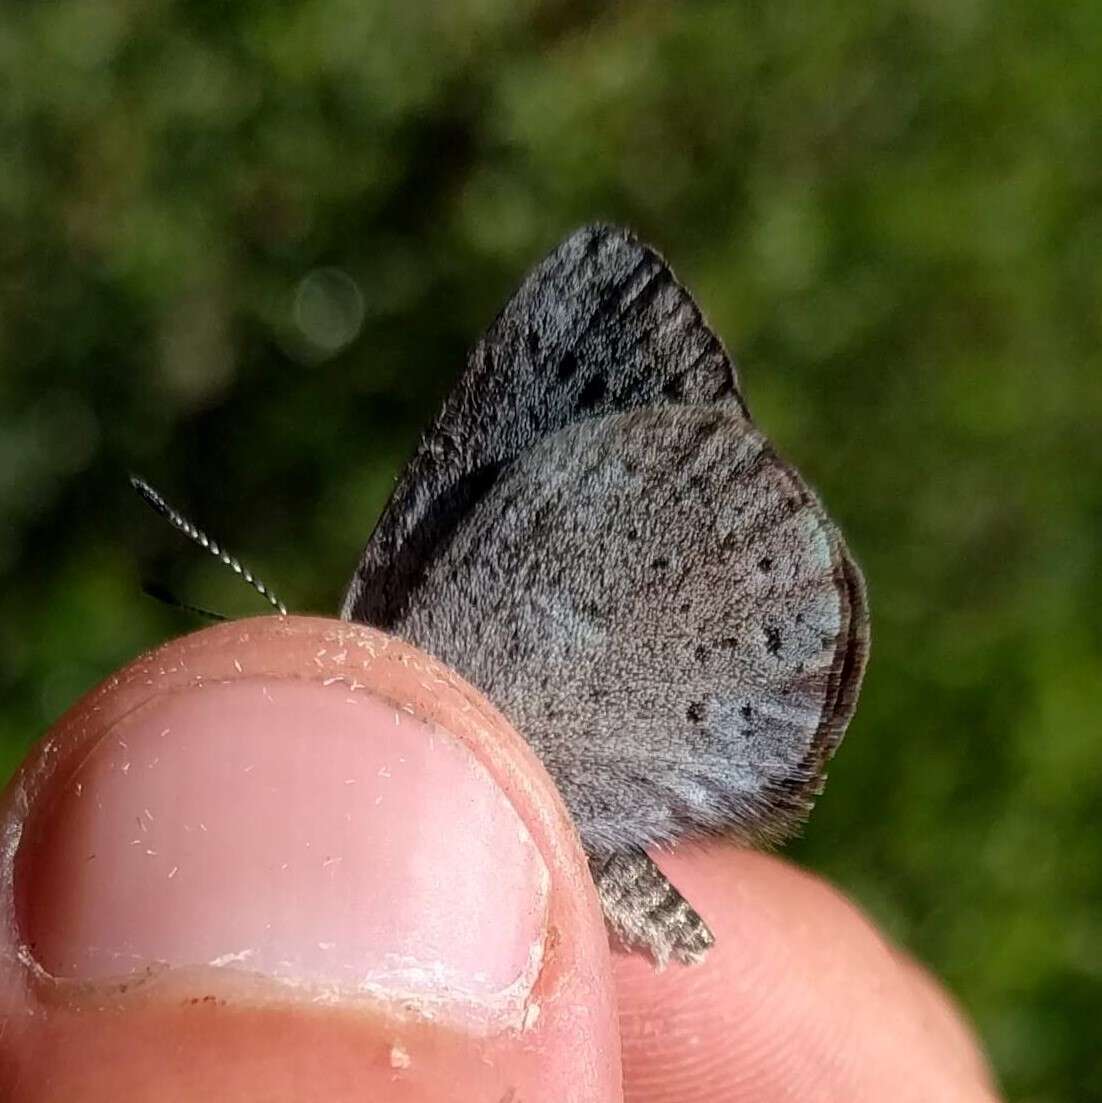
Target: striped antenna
point(179, 521)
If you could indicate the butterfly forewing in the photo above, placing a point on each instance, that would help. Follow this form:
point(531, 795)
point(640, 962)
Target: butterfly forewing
point(601, 325)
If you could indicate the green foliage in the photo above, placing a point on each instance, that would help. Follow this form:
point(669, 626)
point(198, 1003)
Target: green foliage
point(243, 248)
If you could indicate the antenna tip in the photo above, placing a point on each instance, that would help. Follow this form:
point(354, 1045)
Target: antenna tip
point(148, 493)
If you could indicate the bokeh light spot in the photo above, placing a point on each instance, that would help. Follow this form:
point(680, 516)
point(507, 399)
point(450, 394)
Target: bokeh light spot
point(328, 310)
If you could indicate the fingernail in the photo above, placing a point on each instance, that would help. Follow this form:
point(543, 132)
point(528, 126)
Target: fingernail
point(309, 833)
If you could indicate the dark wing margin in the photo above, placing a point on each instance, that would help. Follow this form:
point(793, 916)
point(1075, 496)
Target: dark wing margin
point(600, 326)
point(790, 797)
point(796, 793)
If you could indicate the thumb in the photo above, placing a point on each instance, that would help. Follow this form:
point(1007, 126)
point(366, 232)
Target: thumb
point(294, 859)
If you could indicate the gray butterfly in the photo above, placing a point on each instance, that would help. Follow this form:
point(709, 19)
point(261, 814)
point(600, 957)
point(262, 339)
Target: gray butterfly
point(594, 534)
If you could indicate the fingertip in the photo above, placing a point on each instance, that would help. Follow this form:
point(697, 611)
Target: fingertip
point(800, 998)
point(946, 1018)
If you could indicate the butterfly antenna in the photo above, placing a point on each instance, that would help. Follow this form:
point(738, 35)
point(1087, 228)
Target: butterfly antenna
point(179, 521)
point(166, 597)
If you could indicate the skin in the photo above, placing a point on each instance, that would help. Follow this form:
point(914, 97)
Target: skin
point(801, 998)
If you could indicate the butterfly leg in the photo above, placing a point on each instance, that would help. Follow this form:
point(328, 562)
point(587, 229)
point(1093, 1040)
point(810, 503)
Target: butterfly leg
point(646, 912)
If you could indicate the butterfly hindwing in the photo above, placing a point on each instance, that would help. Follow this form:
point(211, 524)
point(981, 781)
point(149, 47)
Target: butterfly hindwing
point(662, 607)
point(600, 325)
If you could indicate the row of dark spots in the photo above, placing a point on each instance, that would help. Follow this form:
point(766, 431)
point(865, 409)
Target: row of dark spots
point(727, 643)
point(695, 711)
point(595, 389)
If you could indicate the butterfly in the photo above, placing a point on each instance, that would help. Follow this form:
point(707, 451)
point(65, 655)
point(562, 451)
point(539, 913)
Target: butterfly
point(595, 534)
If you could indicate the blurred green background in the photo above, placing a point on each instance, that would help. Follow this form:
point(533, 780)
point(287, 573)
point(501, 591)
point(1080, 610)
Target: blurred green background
point(244, 247)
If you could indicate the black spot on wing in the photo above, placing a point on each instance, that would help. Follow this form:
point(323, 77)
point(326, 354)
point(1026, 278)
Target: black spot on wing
point(592, 394)
point(568, 365)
